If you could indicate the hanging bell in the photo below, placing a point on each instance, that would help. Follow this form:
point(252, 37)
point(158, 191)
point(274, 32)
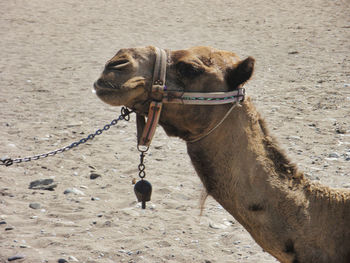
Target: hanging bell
point(143, 191)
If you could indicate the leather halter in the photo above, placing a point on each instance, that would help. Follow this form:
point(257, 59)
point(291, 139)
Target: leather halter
point(145, 132)
point(160, 94)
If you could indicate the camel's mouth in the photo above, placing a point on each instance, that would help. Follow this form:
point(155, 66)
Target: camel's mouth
point(104, 85)
point(105, 90)
point(121, 94)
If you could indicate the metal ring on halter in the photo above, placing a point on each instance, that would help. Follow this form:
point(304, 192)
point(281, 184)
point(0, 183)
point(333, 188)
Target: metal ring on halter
point(142, 148)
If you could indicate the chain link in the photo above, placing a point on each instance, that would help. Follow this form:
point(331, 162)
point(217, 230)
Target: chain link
point(142, 167)
point(125, 115)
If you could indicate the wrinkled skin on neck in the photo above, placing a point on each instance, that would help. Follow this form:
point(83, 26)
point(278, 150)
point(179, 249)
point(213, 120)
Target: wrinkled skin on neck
point(127, 77)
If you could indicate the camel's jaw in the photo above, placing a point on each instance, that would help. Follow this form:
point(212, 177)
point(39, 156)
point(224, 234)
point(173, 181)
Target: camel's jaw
point(117, 95)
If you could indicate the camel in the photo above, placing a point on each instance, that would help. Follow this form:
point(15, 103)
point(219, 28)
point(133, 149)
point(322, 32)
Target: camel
point(239, 163)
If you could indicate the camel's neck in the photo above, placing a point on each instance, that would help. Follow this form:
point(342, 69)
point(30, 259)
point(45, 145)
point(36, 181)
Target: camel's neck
point(243, 169)
point(242, 157)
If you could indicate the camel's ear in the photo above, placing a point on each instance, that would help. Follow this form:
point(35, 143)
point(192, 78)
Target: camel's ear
point(241, 73)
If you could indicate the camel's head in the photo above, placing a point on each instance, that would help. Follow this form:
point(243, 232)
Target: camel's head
point(127, 79)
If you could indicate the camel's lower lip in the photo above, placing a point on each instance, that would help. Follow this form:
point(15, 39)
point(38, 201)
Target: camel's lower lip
point(96, 86)
point(100, 85)
point(100, 88)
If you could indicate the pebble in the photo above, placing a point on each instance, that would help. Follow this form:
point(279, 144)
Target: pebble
point(73, 191)
point(3, 223)
point(43, 184)
point(35, 205)
point(71, 258)
point(347, 156)
point(95, 199)
point(291, 137)
point(62, 260)
point(16, 257)
point(9, 228)
point(94, 176)
point(333, 155)
point(217, 226)
point(340, 130)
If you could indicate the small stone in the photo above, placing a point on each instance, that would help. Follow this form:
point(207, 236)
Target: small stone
point(293, 52)
point(16, 257)
point(9, 228)
point(62, 260)
point(35, 205)
point(95, 199)
point(340, 130)
point(3, 223)
point(71, 258)
point(94, 176)
point(347, 85)
point(333, 155)
point(291, 137)
point(217, 226)
point(73, 191)
point(44, 184)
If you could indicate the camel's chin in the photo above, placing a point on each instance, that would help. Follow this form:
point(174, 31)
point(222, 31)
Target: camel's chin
point(110, 97)
point(118, 97)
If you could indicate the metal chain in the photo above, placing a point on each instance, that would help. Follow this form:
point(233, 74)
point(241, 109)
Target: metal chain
point(124, 115)
point(142, 167)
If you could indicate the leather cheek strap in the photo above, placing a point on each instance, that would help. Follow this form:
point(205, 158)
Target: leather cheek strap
point(151, 125)
point(145, 132)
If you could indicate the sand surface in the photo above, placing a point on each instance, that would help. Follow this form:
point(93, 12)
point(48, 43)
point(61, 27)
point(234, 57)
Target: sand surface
point(50, 54)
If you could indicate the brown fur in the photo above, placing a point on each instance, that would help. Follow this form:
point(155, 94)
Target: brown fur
point(282, 163)
point(239, 163)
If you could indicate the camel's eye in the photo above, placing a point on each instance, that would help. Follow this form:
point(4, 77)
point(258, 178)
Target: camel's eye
point(118, 64)
point(189, 70)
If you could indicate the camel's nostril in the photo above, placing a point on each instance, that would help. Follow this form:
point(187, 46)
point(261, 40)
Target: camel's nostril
point(118, 64)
